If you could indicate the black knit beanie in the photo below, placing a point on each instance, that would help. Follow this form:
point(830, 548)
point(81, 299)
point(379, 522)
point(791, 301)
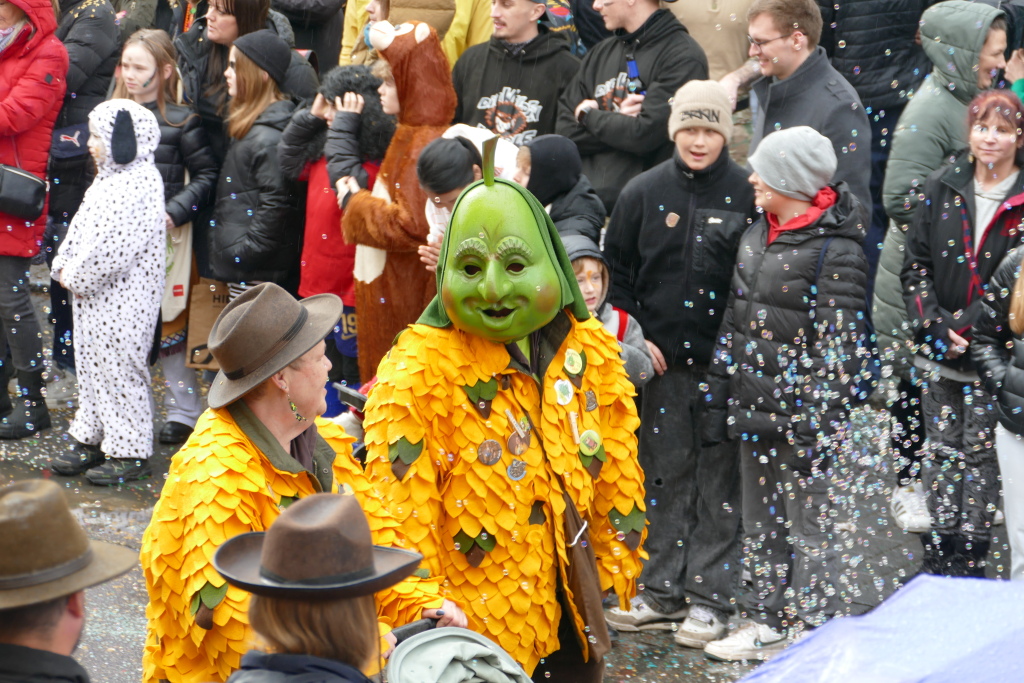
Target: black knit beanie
point(555, 167)
point(268, 51)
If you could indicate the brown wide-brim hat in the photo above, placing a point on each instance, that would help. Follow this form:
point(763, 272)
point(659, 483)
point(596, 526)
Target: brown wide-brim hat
point(319, 548)
point(262, 332)
point(44, 551)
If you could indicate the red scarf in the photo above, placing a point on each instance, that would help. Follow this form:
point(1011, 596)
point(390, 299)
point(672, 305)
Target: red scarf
point(825, 198)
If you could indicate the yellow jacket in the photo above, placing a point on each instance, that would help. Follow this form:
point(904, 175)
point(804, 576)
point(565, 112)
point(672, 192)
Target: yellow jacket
point(489, 520)
point(221, 484)
point(459, 23)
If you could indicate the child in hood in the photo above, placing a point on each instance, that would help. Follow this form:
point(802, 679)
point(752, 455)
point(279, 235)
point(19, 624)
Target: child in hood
point(593, 278)
point(113, 264)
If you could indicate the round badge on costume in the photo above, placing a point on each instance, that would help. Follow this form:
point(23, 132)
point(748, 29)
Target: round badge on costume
point(517, 470)
point(563, 391)
point(517, 445)
point(573, 362)
point(489, 452)
point(590, 441)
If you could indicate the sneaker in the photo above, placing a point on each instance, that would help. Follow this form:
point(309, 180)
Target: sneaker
point(119, 471)
point(750, 642)
point(999, 519)
point(909, 507)
point(702, 625)
point(78, 458)
point(62, 393)
point(640, 617)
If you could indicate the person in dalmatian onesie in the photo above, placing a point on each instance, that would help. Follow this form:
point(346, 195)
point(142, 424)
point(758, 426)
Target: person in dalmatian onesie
point(113, 263)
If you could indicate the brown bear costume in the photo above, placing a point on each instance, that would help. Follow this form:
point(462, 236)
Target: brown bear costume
point(388, 225)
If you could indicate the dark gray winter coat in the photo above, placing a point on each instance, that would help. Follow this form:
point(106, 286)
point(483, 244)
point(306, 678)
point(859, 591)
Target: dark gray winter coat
point(792, 375)
point(997, 352)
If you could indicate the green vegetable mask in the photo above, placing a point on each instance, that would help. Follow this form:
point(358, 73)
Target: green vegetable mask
point(502, 271)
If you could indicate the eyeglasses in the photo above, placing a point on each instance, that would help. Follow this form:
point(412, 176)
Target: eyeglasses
point(998, 134)
point(759, 44)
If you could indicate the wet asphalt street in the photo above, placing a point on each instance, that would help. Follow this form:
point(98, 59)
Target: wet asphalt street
point(878, 556)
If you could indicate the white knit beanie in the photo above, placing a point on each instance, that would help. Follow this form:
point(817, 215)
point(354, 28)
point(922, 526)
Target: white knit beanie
point(795, 162)
point(701, 104)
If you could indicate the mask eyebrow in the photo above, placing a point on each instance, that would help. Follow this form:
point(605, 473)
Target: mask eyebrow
point(471, 247)
point(514, 245)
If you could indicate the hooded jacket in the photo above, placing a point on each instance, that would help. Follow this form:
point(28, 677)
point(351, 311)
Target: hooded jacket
point(997, 352)
point(193, 53)
point(933, 128)
point(260, 667)
point(514, 95)
point(816, 95)
point(28, 665)
point(614, 147)
point(184, 148)
point(317, 26)
point(257, 216)
point(771, 375)
point(671, 245)
point(557, 181)
point(32, 79)
point(944, 276)
point(620, 324)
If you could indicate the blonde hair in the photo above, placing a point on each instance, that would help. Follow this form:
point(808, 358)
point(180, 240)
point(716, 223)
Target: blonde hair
point(524, 158)
point(255, 90)
point(158, 44)
point(382, 70)
point(344, 630)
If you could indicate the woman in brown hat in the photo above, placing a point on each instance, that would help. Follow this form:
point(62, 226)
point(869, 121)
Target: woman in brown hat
point(258, 449)
point(314, 611)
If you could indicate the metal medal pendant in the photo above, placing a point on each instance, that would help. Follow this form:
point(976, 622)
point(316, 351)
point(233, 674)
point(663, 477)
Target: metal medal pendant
point(591, 400)
point(489, 452)
point(517, 470)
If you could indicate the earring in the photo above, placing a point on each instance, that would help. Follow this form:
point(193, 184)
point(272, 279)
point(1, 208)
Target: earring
point(295, 410)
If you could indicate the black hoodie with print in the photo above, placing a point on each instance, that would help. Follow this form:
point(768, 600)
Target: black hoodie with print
point(514, 95)
point(615, 147)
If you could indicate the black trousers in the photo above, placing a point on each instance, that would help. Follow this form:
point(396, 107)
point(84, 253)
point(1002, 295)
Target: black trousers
point(567, 665)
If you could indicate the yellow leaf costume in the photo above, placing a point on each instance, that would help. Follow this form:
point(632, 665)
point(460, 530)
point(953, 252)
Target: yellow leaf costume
point(221, 484)
point(493, 530)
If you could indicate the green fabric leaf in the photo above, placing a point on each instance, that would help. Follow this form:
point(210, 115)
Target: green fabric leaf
point(583, 356)
point(601, 455)
point(486, 541)
point(422, 572)
point(586, 460)
point(212, 595)
point(634, 521)
point(482, 390)
point(195, 604)
point(286, 501)
point(408, 452)
point(464, 541)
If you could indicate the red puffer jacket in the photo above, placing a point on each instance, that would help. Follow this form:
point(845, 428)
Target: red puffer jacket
point(33, 68)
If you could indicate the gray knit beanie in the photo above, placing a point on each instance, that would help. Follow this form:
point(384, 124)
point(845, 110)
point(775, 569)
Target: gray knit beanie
point(701, 104)
point(795, 162)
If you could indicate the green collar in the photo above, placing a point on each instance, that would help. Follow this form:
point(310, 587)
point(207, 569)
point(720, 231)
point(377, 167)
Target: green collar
point(257, 432)
point(545, 343)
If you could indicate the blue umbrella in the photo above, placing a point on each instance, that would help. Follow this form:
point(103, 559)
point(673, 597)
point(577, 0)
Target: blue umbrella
point(935, 630)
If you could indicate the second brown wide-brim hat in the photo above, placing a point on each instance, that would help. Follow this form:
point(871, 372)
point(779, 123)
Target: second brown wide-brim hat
point(319, 548)
point(44, 551)
point(261, 332)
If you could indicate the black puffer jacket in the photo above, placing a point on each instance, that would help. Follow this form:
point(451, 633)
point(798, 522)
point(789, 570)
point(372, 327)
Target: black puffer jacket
point(786, 384)
point(942, 288)
point(89, 33)
point(259, 667)
point(579, 212)
point(194, 49)
point(671, 245)
point(257, 231)
point(184, 146)
point(871, 44)
point(997, 352)
point(317, 25)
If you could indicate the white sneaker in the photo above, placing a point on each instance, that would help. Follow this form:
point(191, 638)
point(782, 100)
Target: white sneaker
point(909, 507)
point(702, 625)
point(640, 617)
point(999, 519)
point(750, 642)
point(63, 392)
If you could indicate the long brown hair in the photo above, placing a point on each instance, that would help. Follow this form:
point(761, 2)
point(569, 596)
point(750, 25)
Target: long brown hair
point(158, 44)
point(250, 15)
point(344, 630)
point(255, 91)
point(1017, 301)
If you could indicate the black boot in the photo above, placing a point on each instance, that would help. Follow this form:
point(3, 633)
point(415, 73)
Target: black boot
point(6, 373)
point(30, 414)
